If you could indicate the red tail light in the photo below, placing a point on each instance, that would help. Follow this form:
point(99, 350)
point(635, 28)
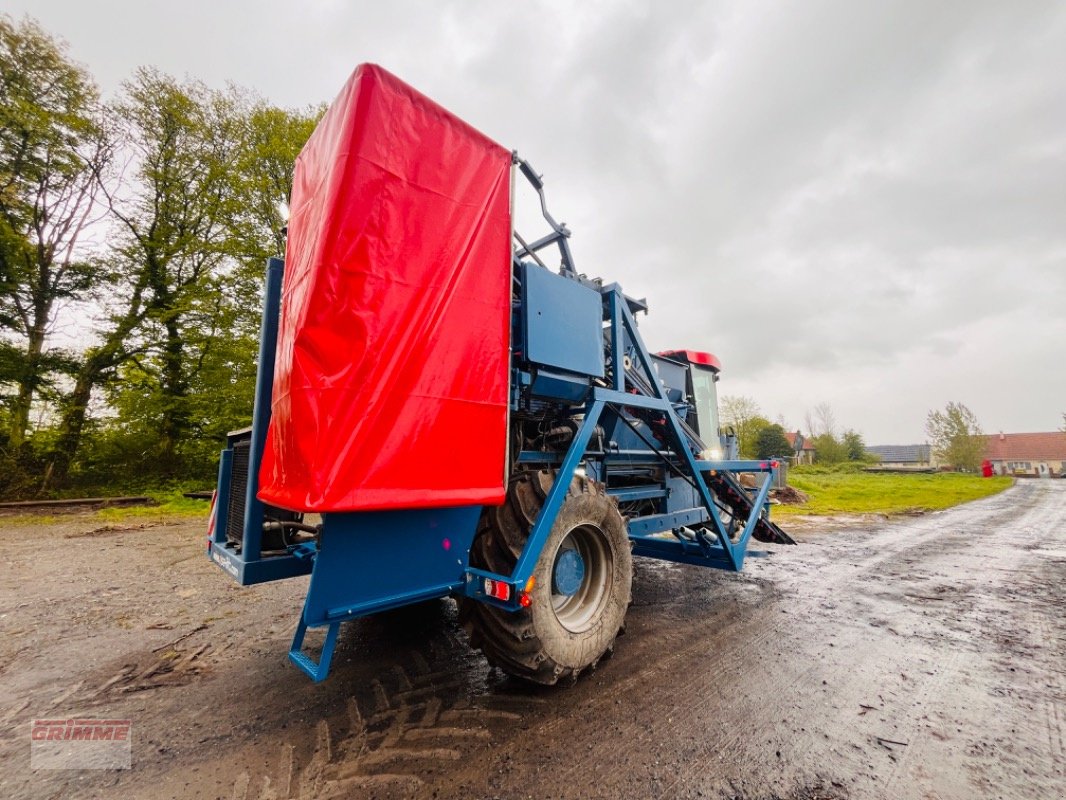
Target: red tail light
point(497, 590)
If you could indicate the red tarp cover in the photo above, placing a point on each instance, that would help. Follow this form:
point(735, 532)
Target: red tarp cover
point(391, 377)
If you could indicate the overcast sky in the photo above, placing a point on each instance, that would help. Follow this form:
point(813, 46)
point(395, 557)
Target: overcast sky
point(854, 203)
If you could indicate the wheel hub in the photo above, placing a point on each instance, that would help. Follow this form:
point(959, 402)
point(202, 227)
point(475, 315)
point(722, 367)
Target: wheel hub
point(569, 572)
point(581, 578)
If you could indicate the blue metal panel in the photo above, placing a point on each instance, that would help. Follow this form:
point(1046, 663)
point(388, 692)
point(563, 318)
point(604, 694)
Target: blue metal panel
point(632, 400)
point(261, 570)
point(673, 550)
point(373, 560)
point(674, 375)
point(560, 387)
point(682, 494)
point(563, 323)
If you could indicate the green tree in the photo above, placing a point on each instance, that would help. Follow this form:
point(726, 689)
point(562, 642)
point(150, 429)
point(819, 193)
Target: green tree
point(772, 442)
point(171, 242)
point(828, 449)
point(53, 148)
point(750, 445)
point(854, 446)
point(271, 139)
point(956, 437)
point(745, 417)
point(172, 238)
point(220, 392)
point(177, 355)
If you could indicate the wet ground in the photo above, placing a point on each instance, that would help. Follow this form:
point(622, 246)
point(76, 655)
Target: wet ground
point(918, 658)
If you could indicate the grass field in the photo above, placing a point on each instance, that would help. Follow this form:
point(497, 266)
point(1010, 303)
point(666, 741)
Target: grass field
point(168, 504)
point(850, 491)
point(842, 489)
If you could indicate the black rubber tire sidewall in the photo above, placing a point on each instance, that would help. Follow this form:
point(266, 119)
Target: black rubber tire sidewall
point(570, 651)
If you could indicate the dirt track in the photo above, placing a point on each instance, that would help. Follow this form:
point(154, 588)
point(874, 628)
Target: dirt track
point(922, 658)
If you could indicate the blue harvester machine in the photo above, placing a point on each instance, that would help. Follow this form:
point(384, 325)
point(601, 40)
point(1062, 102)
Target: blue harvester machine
point(611, 452)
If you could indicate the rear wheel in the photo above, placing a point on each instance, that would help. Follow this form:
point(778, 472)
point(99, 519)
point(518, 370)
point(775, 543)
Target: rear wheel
point(584, 576)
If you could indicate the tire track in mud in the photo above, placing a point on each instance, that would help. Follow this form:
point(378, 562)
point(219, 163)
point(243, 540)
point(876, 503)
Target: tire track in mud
point(783, 681)
point(755, 634)
point(414, 722)
point(410, 723)
point(588, 713)
point(701, 676)
point(1032, 588)
point(971, 567)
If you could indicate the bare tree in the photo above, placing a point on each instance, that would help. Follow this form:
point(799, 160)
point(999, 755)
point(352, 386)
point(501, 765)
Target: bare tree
point(822, 420)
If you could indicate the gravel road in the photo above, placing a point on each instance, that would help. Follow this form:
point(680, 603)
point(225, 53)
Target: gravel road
point(923, 657)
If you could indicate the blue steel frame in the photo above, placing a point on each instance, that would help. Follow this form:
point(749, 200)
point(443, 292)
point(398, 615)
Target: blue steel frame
point(247, 566)
point(359, 567)
point(715, 550)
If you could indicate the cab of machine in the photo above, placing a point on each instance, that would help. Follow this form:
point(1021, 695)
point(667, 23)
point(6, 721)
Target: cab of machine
point(696, 374)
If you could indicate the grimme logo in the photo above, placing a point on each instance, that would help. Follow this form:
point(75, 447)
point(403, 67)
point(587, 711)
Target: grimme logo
point(80, 743)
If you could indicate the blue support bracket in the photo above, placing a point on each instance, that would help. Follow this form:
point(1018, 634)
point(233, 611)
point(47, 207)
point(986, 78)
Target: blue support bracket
point(735, 555)
point(316, 671)
point(527, 560)
point(756, 509)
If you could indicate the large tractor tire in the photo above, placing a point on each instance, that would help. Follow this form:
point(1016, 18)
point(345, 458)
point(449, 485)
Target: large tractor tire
point(584, 577)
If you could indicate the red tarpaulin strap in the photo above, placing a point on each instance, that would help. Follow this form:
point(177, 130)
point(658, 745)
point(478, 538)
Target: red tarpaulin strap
point(391, 376)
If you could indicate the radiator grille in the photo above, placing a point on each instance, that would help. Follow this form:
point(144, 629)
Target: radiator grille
point(238, 491)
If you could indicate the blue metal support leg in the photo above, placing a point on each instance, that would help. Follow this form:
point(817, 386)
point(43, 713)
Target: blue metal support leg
point(554, 501)
point(316, 671)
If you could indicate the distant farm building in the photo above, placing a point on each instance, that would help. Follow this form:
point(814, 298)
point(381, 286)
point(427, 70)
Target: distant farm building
point(803, 450)
point(903, 456)
point(1039, 455)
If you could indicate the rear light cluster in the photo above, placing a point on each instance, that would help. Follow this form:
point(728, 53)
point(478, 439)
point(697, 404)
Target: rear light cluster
point(498, 590)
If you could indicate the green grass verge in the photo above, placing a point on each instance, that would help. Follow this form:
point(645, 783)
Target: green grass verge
point(169, 505)
point(848, 491)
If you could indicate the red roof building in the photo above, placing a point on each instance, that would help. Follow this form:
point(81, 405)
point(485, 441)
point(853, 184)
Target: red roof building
point(803, 448)
point(1039, 454)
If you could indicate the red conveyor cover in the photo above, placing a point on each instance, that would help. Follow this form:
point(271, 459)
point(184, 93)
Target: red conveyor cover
point(391, 376)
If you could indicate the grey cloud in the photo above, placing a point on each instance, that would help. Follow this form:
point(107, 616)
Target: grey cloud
point(850, 202)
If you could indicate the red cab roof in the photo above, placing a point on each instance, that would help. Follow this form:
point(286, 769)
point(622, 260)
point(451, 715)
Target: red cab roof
point(694, 357)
